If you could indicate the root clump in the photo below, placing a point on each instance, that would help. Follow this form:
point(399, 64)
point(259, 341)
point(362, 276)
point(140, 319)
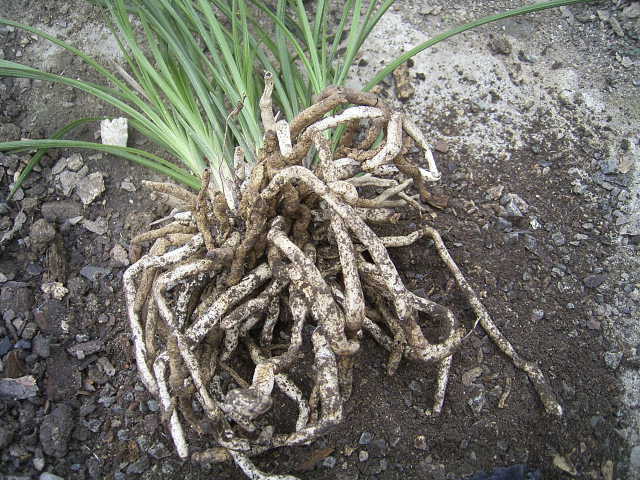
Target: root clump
point(282, 270)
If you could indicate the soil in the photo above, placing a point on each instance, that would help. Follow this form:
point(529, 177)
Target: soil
point(543, 107)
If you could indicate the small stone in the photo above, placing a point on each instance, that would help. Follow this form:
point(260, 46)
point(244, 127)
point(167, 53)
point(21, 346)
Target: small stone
point(378, 448)
point(38, 462)
point(494, 193)
point(99, 226)
point(501, 45)
point(59, 167)
point(41, 234)
point(90, 188)
point(22, 345)
point(55, 431)
point(363, 455)
point(558, 239)
point(593, 324)
point(127, 186)
point(41, 346)
point(613, 359)
point(537, 315)
point(634, 458)
point(78, 286)
point(56, 289)
point(123, 435)
point(18, 388)
point(114, 132)
point(442, 146)
point(68, 181)
point(329, 462)
point(83, 350)
point(91, 272)
point(365, 438)
point(153, 405)
point(159, 451)
point(49, 476)
point(616, 27)
point(477, 400)
point(106, 366)
point(60, 211)
point(631, 11)
point(514, 204)
point(75, 162)
point(420, 442)
point(139, 466)
point(470, 376)
point(594, 281)
point(120, 255)
point(5, 346)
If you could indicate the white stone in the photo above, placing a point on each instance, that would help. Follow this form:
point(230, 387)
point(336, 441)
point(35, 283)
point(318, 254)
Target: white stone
point(114, 132)
point(56, 289)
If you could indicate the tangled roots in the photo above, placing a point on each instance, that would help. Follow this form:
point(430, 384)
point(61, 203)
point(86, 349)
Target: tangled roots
point(295, 258)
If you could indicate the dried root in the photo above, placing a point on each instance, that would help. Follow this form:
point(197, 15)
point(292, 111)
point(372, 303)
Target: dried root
point(296, 250)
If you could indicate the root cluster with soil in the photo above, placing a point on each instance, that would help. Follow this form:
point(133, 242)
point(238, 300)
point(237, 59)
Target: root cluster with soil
point(282, 272)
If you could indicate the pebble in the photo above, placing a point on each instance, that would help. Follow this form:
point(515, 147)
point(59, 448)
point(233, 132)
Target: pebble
point(153, 405)
point(91, 272)
point(74, 162)
point(49, 476)
point(159, 451)
point(22, 345)
point(365, 438)
point(558, 239)
point(56, 429)
point(363, 455)
point(631, 11)
point(5, 346)
point(61, 210)
point(634, 458)
point(98, 226)
point(41, 234)
point(613, 359)
point(82, 350)
point(128, 186)
point(420, 442)
point(378, 448)
point(501, 45)
point(90, 188)
point(329, 462)
point(470, 376)
point(594, 281)
point(38, 462)
point(40, 346)
point(514, 204)
point(139, 466)
point(18, 388)
point(442, 146)
point(106, 366)
point(537, 315)
point(68, 181)
point(120, 255)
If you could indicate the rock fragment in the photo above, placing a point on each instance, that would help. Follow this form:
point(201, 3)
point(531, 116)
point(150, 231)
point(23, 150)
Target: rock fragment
point(114, 132)
point(83, 350)
point(55, 431)
point(18, 388)
point(61, 210)
point(90, 188)
point(41, 234)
